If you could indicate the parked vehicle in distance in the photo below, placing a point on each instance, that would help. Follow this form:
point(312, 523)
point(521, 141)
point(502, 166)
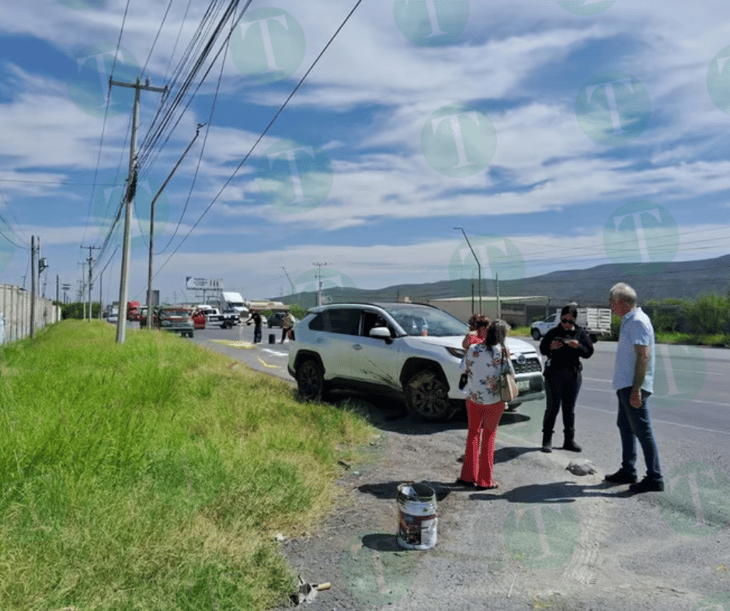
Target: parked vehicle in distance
point(277, 318)
point(199, 319)
point(596, 322)
point(412, 351)
point(133, 310)
point(234, 301)
point(113, 316)
point(177, 319)
point(225, 320)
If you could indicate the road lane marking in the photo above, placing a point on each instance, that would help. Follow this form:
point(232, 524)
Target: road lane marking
point(613, 392)
point(265, 364)
point(656, 420)
point(233, 343)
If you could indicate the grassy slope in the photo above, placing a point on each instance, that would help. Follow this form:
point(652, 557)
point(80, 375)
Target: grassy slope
point(151, 475)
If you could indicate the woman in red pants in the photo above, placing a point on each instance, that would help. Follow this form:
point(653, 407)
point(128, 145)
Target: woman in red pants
point(483, 363)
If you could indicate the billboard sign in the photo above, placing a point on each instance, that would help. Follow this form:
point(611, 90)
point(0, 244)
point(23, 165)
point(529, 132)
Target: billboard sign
point(200, 284)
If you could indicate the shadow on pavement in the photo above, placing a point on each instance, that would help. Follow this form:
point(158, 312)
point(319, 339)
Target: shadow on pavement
point(558, 492)
point(389, 490)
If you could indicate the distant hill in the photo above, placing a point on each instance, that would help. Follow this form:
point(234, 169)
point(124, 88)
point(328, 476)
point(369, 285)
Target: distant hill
point(685, 279)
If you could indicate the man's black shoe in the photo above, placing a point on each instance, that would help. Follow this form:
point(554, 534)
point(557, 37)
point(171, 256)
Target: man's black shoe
point(621, 477)
point(647, 485)
point(572, 446)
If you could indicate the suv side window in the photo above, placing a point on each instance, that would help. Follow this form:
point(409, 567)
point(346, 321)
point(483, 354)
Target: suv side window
point(345, 321)
point(370, 320)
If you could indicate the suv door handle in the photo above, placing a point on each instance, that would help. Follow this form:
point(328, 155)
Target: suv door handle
point(356, 347)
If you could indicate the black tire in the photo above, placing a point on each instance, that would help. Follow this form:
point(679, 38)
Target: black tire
point(310, 381)
point(512, 407)
point(535, 334)
point(427, 396)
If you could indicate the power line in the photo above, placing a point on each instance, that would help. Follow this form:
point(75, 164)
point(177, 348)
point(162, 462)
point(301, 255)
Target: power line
point(243, 161)
point(103, 127)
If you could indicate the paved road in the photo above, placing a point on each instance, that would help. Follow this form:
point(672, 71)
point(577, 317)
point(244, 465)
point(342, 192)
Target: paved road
point(546, 538)
point(690, 406)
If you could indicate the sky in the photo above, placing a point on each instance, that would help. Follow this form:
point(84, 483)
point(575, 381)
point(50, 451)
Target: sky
point(360, 143)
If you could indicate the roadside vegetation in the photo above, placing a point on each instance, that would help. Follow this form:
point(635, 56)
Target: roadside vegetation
point(704, 321)
point(154, 475)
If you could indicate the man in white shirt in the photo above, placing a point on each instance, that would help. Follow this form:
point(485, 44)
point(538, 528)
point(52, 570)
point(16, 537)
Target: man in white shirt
point(633, 380)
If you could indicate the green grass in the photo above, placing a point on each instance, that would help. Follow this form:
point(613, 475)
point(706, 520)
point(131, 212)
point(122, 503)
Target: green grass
point(718, 339)
point(151, 475)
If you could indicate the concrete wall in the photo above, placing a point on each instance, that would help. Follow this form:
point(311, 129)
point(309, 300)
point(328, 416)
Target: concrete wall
point(15, 313)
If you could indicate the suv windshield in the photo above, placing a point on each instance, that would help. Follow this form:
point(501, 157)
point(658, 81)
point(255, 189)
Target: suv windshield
point(417, 319)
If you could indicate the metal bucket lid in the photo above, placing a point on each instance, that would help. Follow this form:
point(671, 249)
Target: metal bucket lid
point(416, 492)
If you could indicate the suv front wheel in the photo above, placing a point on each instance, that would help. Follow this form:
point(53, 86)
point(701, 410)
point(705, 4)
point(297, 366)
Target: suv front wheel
point(310, 381)
point(427, 396)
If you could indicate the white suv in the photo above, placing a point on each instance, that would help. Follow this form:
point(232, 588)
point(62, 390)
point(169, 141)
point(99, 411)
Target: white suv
point(405, 349)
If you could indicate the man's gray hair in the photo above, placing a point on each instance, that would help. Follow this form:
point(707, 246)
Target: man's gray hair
point(623, 292)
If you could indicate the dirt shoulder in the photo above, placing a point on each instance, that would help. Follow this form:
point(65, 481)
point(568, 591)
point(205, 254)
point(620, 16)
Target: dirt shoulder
point(546, 539)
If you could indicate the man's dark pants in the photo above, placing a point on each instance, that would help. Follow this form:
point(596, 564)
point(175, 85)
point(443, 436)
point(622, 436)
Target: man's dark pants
point(634, 423)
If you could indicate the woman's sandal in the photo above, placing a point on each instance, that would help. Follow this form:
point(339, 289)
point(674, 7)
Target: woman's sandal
point(492, 487)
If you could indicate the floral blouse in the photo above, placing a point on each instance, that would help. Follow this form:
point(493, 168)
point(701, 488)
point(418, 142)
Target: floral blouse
point(483, 366)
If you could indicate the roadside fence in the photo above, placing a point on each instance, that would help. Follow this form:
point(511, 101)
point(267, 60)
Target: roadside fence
point(15, 313)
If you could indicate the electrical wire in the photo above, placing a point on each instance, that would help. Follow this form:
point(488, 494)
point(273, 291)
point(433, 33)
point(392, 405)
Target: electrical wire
point(157, 36)
point(255, 144)
point(103, 127)
point(151, 140)
point(202, 149)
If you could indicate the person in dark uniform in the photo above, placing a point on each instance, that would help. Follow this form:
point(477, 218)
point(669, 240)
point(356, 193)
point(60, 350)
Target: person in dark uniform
point(564, 346)
point(256, 318)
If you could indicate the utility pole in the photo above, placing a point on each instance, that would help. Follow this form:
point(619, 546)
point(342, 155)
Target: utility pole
point(90, 260)
point(319, 282)
point(129, 199)
point(32, 283)
point(479, 267)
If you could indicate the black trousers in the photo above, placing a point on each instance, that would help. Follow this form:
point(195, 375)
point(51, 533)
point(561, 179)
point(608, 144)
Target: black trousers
point(561, 390)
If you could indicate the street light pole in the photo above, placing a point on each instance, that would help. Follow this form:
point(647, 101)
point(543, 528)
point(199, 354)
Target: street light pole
point(479, 267)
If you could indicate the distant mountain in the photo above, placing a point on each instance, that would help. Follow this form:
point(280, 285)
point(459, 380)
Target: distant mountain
point(684, 279)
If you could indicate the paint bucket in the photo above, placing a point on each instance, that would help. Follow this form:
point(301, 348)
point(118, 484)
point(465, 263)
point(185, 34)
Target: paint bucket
point(417, 521)
point(272, 338)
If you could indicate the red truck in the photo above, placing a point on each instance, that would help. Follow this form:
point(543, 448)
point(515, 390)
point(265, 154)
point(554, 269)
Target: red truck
point(133, 310)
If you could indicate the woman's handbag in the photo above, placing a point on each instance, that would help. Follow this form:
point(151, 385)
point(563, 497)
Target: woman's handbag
point(463, 380)
point(507, 385)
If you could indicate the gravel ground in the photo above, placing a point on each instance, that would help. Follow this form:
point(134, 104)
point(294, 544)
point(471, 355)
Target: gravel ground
point(546, 539)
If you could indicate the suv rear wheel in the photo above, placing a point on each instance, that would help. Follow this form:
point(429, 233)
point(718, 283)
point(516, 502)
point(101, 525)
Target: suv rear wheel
point(310, 381)
point(535, 334)
point(427, 396)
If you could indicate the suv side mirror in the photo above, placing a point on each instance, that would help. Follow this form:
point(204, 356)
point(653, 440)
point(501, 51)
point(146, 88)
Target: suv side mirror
point(381, 333)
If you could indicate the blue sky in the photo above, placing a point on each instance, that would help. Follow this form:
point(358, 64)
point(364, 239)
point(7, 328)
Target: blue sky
point(558, 134)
